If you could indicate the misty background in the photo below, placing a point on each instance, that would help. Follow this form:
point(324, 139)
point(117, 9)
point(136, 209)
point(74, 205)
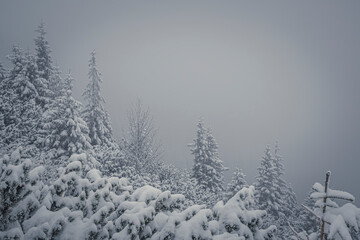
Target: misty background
point(257, 72)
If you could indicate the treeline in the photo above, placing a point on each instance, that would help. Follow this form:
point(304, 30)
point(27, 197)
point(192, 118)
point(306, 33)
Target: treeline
point(42, 127)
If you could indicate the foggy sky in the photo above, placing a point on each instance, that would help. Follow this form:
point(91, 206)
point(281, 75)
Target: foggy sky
point(256, 72)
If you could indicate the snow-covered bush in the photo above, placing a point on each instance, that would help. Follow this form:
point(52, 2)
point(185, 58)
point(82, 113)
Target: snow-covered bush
point(81, 204)
point(21, 192)
point(238, 217)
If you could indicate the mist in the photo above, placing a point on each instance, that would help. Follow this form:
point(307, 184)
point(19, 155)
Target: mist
point(257, 73)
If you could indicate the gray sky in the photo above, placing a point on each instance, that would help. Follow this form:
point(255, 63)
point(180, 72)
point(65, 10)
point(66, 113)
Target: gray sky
point(256, 71)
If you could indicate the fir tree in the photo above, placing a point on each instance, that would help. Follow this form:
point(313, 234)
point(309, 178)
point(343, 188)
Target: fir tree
point(208, 169)
point(274, 194)
point(43, 53)
point(285, 189)
point(268, 196)
point(56, 82)
point(237, 183)
point(64, 131)
point(3, 76)
point(45, 66)
point(19, 97)
point(3, 72)
point(94, 114)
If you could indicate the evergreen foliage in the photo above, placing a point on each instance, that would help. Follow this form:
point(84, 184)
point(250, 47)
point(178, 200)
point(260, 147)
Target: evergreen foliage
point(64, 131)
point(236, 184)
point(274, 194)
point(208, 169)
point(44, 64)
point(94, 114)
point(81, 204)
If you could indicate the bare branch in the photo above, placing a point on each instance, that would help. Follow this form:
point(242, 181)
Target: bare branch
point(296, 233)
point(312, 212)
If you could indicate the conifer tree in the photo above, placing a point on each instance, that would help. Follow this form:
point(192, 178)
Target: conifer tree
point(208, 169)
point(94, 114)
point(19, 97)
point(56, 82)
point(3, 75)
point(64, 131)
point(274, 194)
point(237, 183)
point(285, 189)
point(43, 53)
point(3, 72)
point(44, 66)
point(268, 196)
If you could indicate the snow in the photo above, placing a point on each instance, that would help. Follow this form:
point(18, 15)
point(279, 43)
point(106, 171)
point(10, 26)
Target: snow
point(35, 173)
point(340, 195)
point(338, 226)
point(73, 166)
point(320, 193)
point(45, 217)
point(145, 194)
point(93, 175)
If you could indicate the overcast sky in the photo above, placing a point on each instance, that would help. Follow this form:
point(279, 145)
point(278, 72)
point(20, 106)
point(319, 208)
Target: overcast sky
point(257, 72)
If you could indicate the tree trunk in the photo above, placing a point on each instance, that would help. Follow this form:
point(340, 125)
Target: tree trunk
point(322, 234)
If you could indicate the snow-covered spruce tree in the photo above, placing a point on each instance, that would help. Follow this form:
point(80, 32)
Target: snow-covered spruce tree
point(55, 82)
point(268, 196)
point(94, 113)
point(288, 212)
point(3, 76)
point(208, 169)
point(287, 193)
point(43, 53)
point(237, 183)
point(44, 65)
point(140, 145)
point(19, 96)
point(64, 132)
point(274, 194)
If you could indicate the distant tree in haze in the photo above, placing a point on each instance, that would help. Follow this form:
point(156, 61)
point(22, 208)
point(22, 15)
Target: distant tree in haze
point(45, 66)
point(268, 196)
point(95, 115)
point(140, 145)
point(208, 169)
point(274, 194)
point(287, 193)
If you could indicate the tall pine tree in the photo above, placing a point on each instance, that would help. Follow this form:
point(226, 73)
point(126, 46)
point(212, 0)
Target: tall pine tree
point(208, 169)
point(44, 65)
point(94, 114)
point(268, 196)
point(287, 193)
point(274, 194)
